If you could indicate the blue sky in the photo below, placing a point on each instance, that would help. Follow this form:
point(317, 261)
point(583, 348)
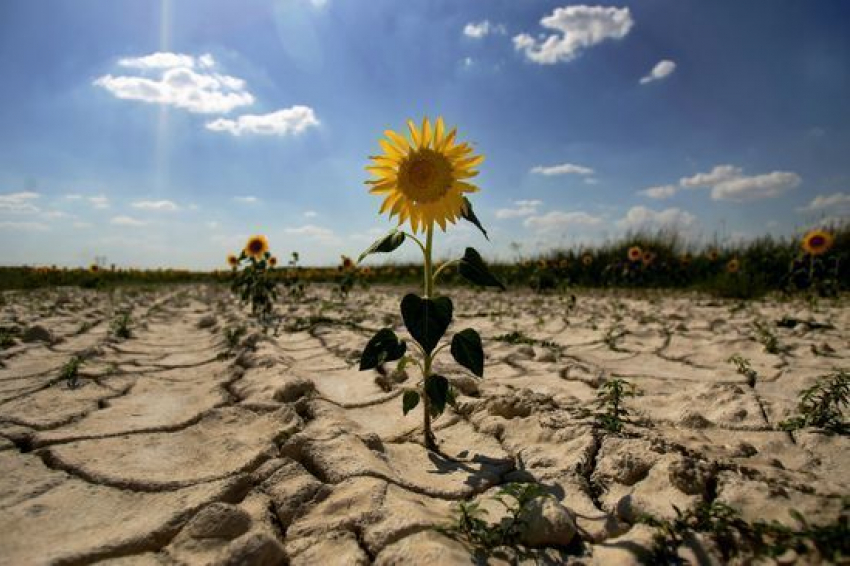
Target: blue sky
point(163, 133)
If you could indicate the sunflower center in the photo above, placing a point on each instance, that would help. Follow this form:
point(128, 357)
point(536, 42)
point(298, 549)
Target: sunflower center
point(425, 176)
point(255, 246)
point(817, 241)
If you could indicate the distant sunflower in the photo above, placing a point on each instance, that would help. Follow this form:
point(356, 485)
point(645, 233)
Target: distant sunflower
point(648, 257)
point(635, 253)
point(347, 263)
point(232, 260)
point(273, 261)
point(817, 242)
point(256, 247)
point(587, 259)
point(733, 266)
point(712, 255)
point(423, 180)
point(685, 259)
point(94, 268)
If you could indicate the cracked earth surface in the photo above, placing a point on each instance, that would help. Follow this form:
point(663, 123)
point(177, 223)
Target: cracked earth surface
point(176, 449)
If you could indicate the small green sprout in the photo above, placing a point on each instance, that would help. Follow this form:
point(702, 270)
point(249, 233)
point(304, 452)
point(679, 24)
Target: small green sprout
point(610, 398)
point(70, 372)
point(743, 367)
point(822, 405)
point(120, 327)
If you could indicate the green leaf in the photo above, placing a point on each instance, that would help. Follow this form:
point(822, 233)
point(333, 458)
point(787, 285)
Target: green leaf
point(467, 351)
point(409, 401)
point(426, 319)
point(383, 347)
point(472, 268)
point(468, 214)
point(385, 245)
point(437, 389)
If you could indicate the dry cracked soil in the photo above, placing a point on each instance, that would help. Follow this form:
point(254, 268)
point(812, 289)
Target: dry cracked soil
point(177, 447)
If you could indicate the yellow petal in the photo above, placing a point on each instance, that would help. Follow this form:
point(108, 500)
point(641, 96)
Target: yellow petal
point(450, 140)
point(465, 187)
point(390, 149)
point(439, 132)
point(426, 133)
point(399, 141)
point(414, 133)
point(385, 161)
point(470, 162)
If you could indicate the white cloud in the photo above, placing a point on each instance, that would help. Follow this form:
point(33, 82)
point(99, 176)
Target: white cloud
point(24, 226)
point(521, 208)
point(162, 205)
point(558, 220)
point(293, 120)
point(640, 217)
point(768, 185)
point(835, 201)
point(659, 192)
point(179, 85)
point(577, 28)
point(19, 203)
point(661, 70)
point(477, 30)
point(126, 221)
point(563, 169)
point(323, 235)
point(160, 60)
point(246, 199)
point(74, 197)
point(99, 202)
point(719, 174)
point(82, 225)
point(310, 214)
point(53, 214)
point(213, 224)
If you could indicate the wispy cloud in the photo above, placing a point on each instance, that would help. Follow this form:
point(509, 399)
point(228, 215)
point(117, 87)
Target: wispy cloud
point(159, 205)
point(563, 169)
point(289, 121)
point(246, 199)
point(179, 84)
point(641, 217)
point(310, 214)
point(19, 203)
point(126, 221)
point(718, 175)
point(661, 70)
point(23, 226)
point(728, 182)
point(521, 208)
point(478, 30)
point(659, 192)
point(833, 202)
point(576, 29)
point(99, 201)
point(318, 233)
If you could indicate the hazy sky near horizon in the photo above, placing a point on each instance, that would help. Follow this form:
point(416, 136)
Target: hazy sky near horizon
point(163, 133)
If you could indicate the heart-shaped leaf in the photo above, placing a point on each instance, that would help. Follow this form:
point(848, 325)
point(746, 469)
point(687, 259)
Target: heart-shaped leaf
point(467, 351)
point(384, 346)
point(385, 245)
point(426, 319)
point(437, 389)
point(468, 214)
point(472, 268)
point(409, 400)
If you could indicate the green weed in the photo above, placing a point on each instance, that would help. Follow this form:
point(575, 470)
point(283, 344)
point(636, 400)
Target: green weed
point(822, 405)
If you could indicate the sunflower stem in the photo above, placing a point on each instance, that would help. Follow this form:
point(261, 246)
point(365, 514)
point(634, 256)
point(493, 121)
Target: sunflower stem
point(417, 240)
point(430, 442)
point(445, 266)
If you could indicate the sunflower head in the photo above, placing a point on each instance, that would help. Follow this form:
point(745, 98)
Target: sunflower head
point(587, 259)
point(817, 242)
point(256, 247)
point(273, 261)
point(648, 257)
point(423, 179)
point(635, 253)
point(94, 268)
point(712, 255)
point(733, 265)
point(232, 261)
point(347, 263)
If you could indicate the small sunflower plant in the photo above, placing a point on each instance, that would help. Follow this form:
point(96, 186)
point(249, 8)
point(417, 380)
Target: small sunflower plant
point(253, 280)
point(815, 269)
point(423, 180)
point(293, 282)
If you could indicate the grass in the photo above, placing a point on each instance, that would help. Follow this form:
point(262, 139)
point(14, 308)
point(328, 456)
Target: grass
point(70, 372)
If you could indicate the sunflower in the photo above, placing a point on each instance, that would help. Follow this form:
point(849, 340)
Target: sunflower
point(733, 265)
point(712, 255)
point(256, 247)
point(232, 260)
point(648, 257)
point(272, 261)
point(635, 253)
point(817, 242)
point(423, 179)
point(587, 259)
point(685, 259)
point(94, 268)
point(347, 263)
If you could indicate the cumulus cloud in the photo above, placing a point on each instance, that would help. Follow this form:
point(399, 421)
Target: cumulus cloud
point(835, 201)
point(178, 84)
point(126, 221)
point(661, 70)
point(289, 121)
point(563, 169)
point(768, 185)
point(659, 192)
point(719, 174)
point(521, 208)
point(19, 203)
point(477, 30)
point(558, 220)
point(246, 199)
point(641, 217)
point(161, 205)
point(576, 29)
